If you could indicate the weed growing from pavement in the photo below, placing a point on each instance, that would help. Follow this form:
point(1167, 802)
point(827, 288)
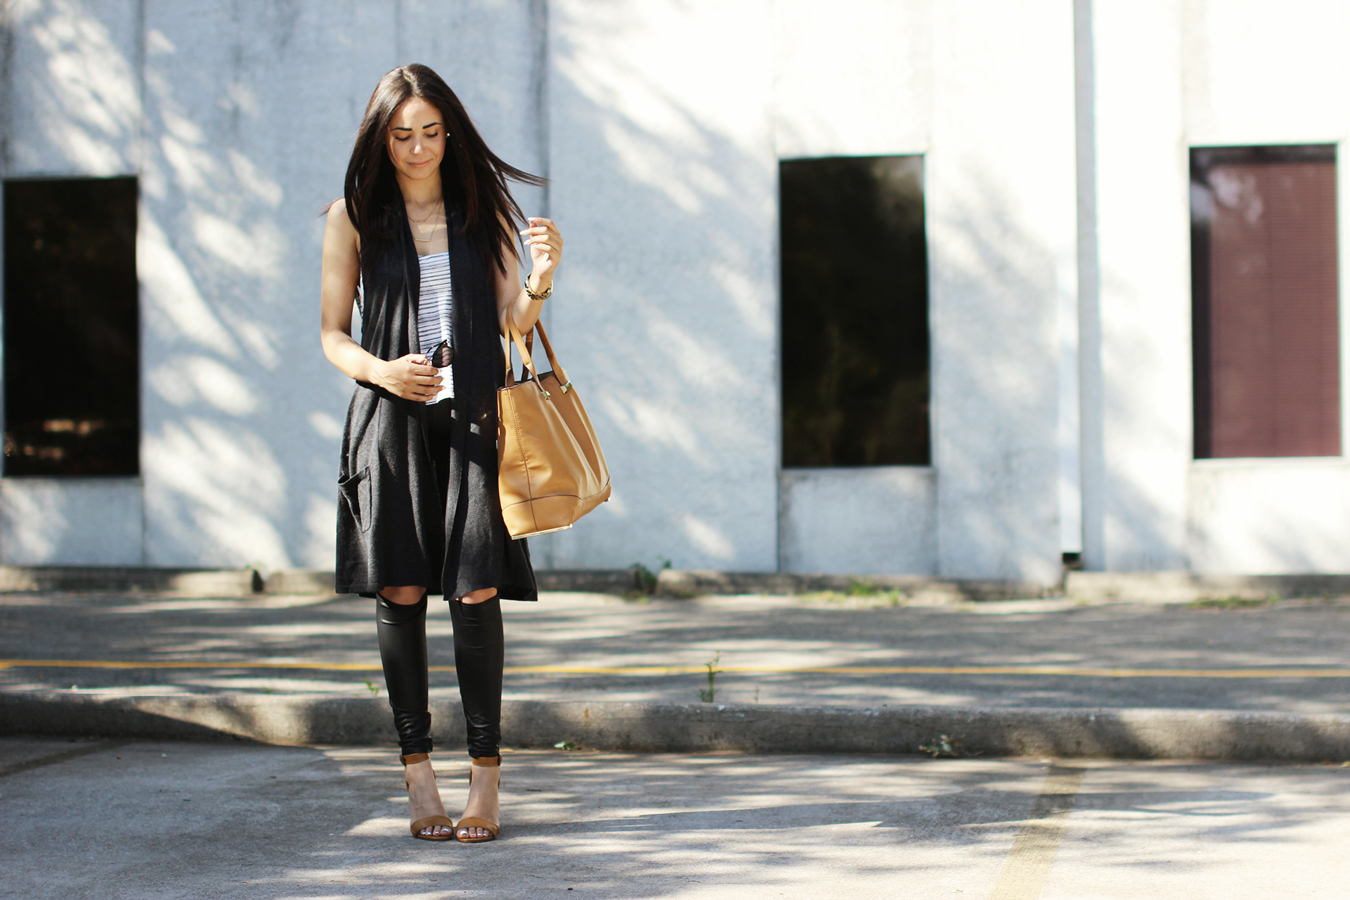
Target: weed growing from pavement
point(373, 688)
point(944, 746)
point(864, 598)
point(708, 695)
point(1234, 602)
point(645, 578)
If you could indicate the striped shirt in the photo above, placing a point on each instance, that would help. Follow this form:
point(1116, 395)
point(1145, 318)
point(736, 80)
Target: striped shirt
point(433, 309)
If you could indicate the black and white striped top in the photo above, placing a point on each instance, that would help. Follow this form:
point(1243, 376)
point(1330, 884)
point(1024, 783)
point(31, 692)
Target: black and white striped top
point(433, 307)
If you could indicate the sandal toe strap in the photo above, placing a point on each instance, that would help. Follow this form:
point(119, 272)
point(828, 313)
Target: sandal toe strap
point(429, 821)
point(474, 822)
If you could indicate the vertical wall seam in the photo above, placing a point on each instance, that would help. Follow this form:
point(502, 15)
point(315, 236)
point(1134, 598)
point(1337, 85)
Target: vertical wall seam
point(539, 84)
point(935, 359)
point(139, 167)
point(1091, 461)
point(776, 279)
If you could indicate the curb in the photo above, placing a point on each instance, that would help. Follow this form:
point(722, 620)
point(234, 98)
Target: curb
point(189, 582)
point(1090, 587)
point(657, 727)
point(913, 588)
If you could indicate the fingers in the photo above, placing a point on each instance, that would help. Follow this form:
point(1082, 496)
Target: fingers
point(421, 380)
point(542, 231)
point(539, 222)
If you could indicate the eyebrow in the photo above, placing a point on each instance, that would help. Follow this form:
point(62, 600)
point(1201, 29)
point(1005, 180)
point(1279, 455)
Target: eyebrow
point(405, 128)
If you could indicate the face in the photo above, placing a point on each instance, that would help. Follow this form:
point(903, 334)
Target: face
point(416, 139)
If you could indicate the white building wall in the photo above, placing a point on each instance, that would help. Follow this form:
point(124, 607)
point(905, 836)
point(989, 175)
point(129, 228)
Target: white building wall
point(661, 154)
point(661, 124)
point(871, 520)
point(1136, 514)
point(1268, 72)
point(844, 91)
point(1269, 516)
point(238, 118)
point(1169, 75)
point(1002, 239)
point(70, 106)
point(986, 93)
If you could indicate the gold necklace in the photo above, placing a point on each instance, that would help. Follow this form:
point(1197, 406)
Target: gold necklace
point(421, 222)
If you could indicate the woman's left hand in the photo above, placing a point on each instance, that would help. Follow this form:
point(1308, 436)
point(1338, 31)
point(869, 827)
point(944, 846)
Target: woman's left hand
point(545, 243)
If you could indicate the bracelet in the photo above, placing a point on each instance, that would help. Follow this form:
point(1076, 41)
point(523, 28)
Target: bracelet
point(537, 297)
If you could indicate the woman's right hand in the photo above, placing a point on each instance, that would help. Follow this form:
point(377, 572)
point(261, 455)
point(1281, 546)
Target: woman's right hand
point(411, 377)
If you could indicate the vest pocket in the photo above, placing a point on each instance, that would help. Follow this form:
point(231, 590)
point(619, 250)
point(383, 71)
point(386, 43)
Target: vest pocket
point(355, 491)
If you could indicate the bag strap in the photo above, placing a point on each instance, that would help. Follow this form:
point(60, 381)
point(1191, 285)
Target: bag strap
point(552, 359)
point(515, 338)
point(524, 346)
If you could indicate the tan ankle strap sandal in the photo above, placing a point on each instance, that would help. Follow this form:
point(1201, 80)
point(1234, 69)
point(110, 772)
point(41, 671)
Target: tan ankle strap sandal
point(426, 821)
point(492, 828)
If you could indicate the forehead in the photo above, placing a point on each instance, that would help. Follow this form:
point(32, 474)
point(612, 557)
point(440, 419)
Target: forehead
point(414, 113)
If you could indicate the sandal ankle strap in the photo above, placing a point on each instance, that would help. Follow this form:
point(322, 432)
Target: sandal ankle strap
point(413, 758)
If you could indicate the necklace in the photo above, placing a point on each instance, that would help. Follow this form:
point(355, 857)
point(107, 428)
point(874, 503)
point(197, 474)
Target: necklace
point(421, 223)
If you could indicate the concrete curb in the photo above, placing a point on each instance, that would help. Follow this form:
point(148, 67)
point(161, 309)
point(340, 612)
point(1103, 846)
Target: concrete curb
point(1185, 587)
point(914, 588)
point(1092, 587)
point(191, 582)
point(657, 727)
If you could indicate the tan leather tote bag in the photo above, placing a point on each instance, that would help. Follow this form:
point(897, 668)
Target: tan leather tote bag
point(550, 468)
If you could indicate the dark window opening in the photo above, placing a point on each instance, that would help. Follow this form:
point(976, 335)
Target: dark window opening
point(1265, 297)
point(855, 349)
point(71, 328)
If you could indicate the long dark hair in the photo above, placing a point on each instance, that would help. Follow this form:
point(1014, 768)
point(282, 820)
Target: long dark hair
point(471, 174)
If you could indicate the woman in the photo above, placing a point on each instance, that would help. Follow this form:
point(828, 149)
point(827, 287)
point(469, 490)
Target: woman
point(424, 243)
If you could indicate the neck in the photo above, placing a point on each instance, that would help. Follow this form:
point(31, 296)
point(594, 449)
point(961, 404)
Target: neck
point(420, 192)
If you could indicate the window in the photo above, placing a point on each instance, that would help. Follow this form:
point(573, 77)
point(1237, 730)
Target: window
point(1264, 302)
point(71, 329)
point(854, 312)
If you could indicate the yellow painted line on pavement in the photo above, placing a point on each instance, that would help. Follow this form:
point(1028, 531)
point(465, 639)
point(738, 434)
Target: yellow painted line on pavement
point(1066, 671)
point(1033, 850)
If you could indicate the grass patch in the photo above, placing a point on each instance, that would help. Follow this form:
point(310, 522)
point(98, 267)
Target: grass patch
point(1234, 602)
point(882, 600)
point(859, 589)
point(645, 580)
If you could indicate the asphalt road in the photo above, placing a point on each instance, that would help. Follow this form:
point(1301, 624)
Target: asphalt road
point(218, 820)
point(1291, 657)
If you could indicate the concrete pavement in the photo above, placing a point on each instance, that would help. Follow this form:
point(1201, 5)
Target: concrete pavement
point(1225, 680)
point(214, 820)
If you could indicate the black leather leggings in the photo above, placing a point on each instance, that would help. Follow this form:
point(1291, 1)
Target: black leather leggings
point(479, 646)
point(479, 656)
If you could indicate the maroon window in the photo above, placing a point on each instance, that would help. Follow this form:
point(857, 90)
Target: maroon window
point(1264, 301)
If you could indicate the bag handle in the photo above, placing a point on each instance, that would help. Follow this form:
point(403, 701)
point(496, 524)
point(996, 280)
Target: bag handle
point(527, 359)
point(515, 338)
point(552, 360)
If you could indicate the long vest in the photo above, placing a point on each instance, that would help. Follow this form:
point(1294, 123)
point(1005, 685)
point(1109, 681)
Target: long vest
point(391, 528)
